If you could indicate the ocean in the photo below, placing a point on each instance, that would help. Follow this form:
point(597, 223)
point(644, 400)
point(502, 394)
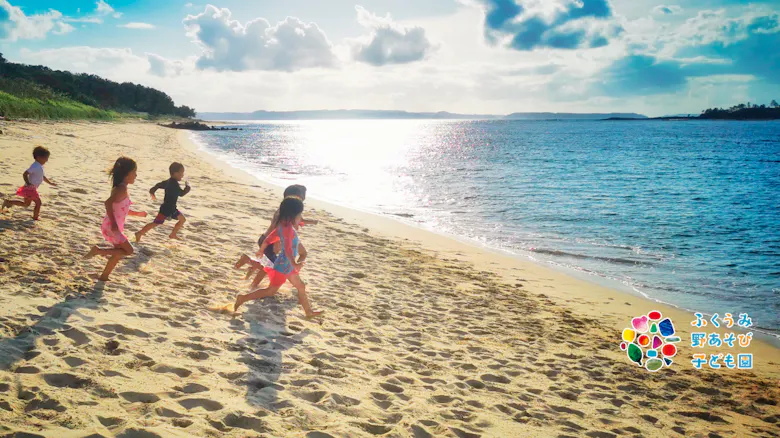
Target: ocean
point(686, 213)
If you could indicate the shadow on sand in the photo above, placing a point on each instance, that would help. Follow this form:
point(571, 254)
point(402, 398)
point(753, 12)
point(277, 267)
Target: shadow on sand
point(22, 346)
point(266, 338)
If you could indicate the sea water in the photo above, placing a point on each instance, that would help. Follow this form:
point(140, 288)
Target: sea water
point(687, 213)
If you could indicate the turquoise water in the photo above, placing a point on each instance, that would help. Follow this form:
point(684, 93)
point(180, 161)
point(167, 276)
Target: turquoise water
point(687, 213)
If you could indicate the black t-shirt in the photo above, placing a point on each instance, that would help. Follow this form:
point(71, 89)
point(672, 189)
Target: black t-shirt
point(172, 193)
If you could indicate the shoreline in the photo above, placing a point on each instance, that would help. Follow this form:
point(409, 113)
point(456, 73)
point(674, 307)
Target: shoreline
point(452, 244)
point(422, 335)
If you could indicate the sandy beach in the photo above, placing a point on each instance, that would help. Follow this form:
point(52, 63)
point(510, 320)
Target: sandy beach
point(422, 336)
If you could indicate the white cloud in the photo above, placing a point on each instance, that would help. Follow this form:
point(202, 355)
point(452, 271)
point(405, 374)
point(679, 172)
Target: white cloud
point(63, 28)
point(116, 64)
point(87, 19)
point(227, 44)
point(160, 66)
point(389, 42)
point(15, 25)
point(135, 25)
point(103, 8)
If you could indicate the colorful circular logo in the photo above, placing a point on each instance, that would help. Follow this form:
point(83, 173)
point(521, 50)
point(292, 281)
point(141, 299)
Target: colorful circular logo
point(650, 342)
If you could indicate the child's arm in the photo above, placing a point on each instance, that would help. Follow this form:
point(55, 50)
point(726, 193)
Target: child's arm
point(288, 250)
point(301, 253)
point(186, 189)
point(136, 213)
point(116, 193)
point(49, 182)
point(310, 221)
point(272, 226)
point(155, 188)
point(26, 176)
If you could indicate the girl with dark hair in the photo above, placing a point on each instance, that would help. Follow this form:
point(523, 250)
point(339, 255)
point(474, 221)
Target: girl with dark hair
point(117, 209)
point(289, 261)
point(267, 253)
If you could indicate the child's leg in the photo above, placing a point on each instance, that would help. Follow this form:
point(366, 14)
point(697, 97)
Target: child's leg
point(148, 227)
point(256, 295)
point(258, 278)
point(178, 226)
point(250, 271)
point(303, 298)
point(37, 210)
point(115, 254)
point(244, 259)
point(8, 203)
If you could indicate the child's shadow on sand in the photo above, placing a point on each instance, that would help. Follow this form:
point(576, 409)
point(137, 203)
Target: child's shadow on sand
point(268, 337)
point(21, 346)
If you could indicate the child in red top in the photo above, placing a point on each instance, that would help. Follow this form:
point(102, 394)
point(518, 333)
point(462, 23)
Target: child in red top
point(290, 260)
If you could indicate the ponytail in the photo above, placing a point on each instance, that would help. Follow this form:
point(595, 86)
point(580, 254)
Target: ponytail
point(122, 167)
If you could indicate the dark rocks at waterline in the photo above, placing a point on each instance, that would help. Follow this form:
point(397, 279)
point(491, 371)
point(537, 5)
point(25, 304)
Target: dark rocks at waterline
point(197, 126)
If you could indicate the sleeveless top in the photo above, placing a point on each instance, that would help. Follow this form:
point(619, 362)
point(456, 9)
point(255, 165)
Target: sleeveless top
point(288, 237)
point(121, 208)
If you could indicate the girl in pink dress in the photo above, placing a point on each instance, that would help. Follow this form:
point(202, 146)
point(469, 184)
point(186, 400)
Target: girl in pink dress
point(117, 209)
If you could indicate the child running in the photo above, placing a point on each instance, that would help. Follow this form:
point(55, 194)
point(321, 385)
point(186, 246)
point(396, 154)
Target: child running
point(117, 209)
point(168, 208)
point(33, 177)
point(268, 252)
point(287, 265)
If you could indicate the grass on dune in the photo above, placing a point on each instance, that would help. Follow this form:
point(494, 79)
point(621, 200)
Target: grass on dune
point(50, 108)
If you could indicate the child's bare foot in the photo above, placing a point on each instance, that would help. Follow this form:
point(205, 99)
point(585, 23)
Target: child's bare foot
point(5, 205)
point(174, 237)
point(244, 259)
point(240, 300)
point(315, 313)
point(92, 253)
point(98, 277)
point(138, 236)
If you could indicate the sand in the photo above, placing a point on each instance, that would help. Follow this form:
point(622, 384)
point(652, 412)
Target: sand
point(422, 336)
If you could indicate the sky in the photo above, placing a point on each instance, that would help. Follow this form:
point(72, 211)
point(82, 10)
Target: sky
point(464, 56)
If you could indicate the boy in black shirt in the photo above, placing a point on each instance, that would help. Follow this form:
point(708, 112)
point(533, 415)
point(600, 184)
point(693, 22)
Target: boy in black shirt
point(168, 208)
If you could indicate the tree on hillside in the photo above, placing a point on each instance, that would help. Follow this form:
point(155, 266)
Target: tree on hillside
point(774, 104)
point(95, 91)
point(2, 59)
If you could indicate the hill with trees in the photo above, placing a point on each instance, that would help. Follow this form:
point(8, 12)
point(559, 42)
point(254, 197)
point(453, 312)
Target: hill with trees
point(36, 89)
point(744, 112)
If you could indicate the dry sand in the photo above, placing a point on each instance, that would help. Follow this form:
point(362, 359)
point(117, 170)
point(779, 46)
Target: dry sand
point(423, 335)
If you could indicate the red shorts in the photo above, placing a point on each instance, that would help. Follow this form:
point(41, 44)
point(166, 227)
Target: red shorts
point(28, 192)
point(275, 277)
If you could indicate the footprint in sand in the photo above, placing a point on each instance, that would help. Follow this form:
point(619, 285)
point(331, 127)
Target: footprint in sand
point(66, 380)
point(192, 388)
point(139, 397)
point(181, 372)
point(193, 403)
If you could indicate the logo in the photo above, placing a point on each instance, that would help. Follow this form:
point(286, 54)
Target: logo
point(650, 342)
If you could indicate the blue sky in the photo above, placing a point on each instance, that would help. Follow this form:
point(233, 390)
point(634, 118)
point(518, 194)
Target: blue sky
point(474, 56)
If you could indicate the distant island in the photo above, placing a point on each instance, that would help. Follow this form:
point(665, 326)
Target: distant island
point(380, 114)
point(743, 111)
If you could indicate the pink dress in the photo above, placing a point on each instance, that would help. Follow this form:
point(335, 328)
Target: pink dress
point(121, 208)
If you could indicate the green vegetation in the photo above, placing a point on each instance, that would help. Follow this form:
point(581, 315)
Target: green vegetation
point(28, 91)
point(28, 100)
point(744, 112)
point(30, 108)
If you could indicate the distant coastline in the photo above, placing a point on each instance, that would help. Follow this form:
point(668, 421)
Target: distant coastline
point(742, 112)
point(380, 114)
